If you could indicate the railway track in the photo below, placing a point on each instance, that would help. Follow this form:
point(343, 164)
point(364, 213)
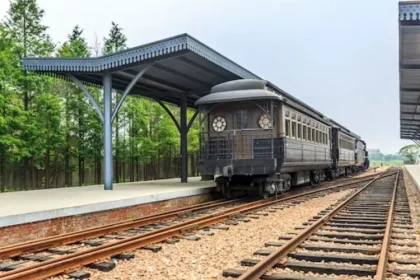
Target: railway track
point(351, 239)
point(72, 260)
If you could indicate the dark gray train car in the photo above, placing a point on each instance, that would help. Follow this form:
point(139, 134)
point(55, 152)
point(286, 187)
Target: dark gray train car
point(258, 138)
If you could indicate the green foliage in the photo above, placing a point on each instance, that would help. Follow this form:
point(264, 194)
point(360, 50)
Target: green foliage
point(388, 157)
point(116, 40)
point(76, 46)
point(25, 28)
point(12, 116)
point(386, 163)
point(48, 135)
point(410, 151)
point(193, 135)
point(47, 126)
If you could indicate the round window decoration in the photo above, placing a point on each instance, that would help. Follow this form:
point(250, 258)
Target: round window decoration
point(265, 122)
point(219, 124)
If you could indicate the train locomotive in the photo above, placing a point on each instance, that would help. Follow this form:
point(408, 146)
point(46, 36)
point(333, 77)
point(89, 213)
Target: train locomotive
point(259, 139)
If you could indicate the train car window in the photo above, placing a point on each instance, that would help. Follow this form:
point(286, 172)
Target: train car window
point(287, 128)
point(299, 132)
point(294, 129)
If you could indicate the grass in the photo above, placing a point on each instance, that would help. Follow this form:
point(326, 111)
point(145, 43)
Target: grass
point(386, 163)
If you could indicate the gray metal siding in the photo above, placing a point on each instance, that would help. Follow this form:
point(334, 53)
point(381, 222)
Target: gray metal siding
point(297, 151)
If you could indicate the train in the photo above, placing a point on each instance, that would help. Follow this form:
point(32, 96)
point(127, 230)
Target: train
point(258, 139)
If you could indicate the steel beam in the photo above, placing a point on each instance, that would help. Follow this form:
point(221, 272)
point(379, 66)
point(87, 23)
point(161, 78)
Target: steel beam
point(183, 76)
point(183, 127)
point(204, 69)
point(406, 119)
point(127, 91)
point(410, 103)
point(190, 123)
point(88, 95)
point(409, 112)
point(417, 90)
point(108, 174)
point(184, 132)
point(169, 113)
point(158, 83)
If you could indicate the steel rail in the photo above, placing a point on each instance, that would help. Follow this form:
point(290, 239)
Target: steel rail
point(383, 257)
point(263, 266)
point(69, 238)
point(75, 260)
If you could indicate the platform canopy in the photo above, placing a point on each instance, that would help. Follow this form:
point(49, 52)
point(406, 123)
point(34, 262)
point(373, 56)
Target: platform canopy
point(178, 70)
point(409, 35)
point(178, 66)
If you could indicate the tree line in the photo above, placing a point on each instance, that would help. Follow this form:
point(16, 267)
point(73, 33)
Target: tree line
point(408, 154)
point(50, 136)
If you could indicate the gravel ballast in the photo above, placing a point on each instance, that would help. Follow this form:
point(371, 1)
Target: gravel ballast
point(208, 257)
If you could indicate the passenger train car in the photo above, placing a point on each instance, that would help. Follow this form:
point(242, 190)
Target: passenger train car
point(258, 138)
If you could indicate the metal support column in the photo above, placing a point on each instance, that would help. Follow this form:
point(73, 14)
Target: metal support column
point(184, 132)
point(108, 174)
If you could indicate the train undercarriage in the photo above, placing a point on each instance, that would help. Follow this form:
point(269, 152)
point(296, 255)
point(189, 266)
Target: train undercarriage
point(273, 185)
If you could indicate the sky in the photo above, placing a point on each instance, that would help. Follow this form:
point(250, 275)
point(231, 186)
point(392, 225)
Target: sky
point(340, 57)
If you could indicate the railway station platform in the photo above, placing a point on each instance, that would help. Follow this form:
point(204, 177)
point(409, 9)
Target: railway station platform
point(27, 215)
point(414, 172)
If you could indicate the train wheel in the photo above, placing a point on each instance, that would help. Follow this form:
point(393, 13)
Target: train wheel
point(226, 191)
point(287, 184)
point(315, 181)
point(263, 193)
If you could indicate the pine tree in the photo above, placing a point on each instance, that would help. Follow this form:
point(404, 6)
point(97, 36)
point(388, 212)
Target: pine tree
point(49, 136)
point(23, 25)
point(12, 116)
point(115, 42)
point(76, 108)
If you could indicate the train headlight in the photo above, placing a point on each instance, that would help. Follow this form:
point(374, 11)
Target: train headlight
point(219, 124)
point(265, 122)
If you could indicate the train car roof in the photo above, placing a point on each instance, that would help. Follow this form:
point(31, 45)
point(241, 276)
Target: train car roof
point(237, 95)
point(238, 90)
point(253, 89)
point(293, 101)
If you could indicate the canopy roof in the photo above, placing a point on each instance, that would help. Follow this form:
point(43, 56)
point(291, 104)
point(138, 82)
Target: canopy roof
point(181, 65)
point(176, 66)
point(409, 32)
